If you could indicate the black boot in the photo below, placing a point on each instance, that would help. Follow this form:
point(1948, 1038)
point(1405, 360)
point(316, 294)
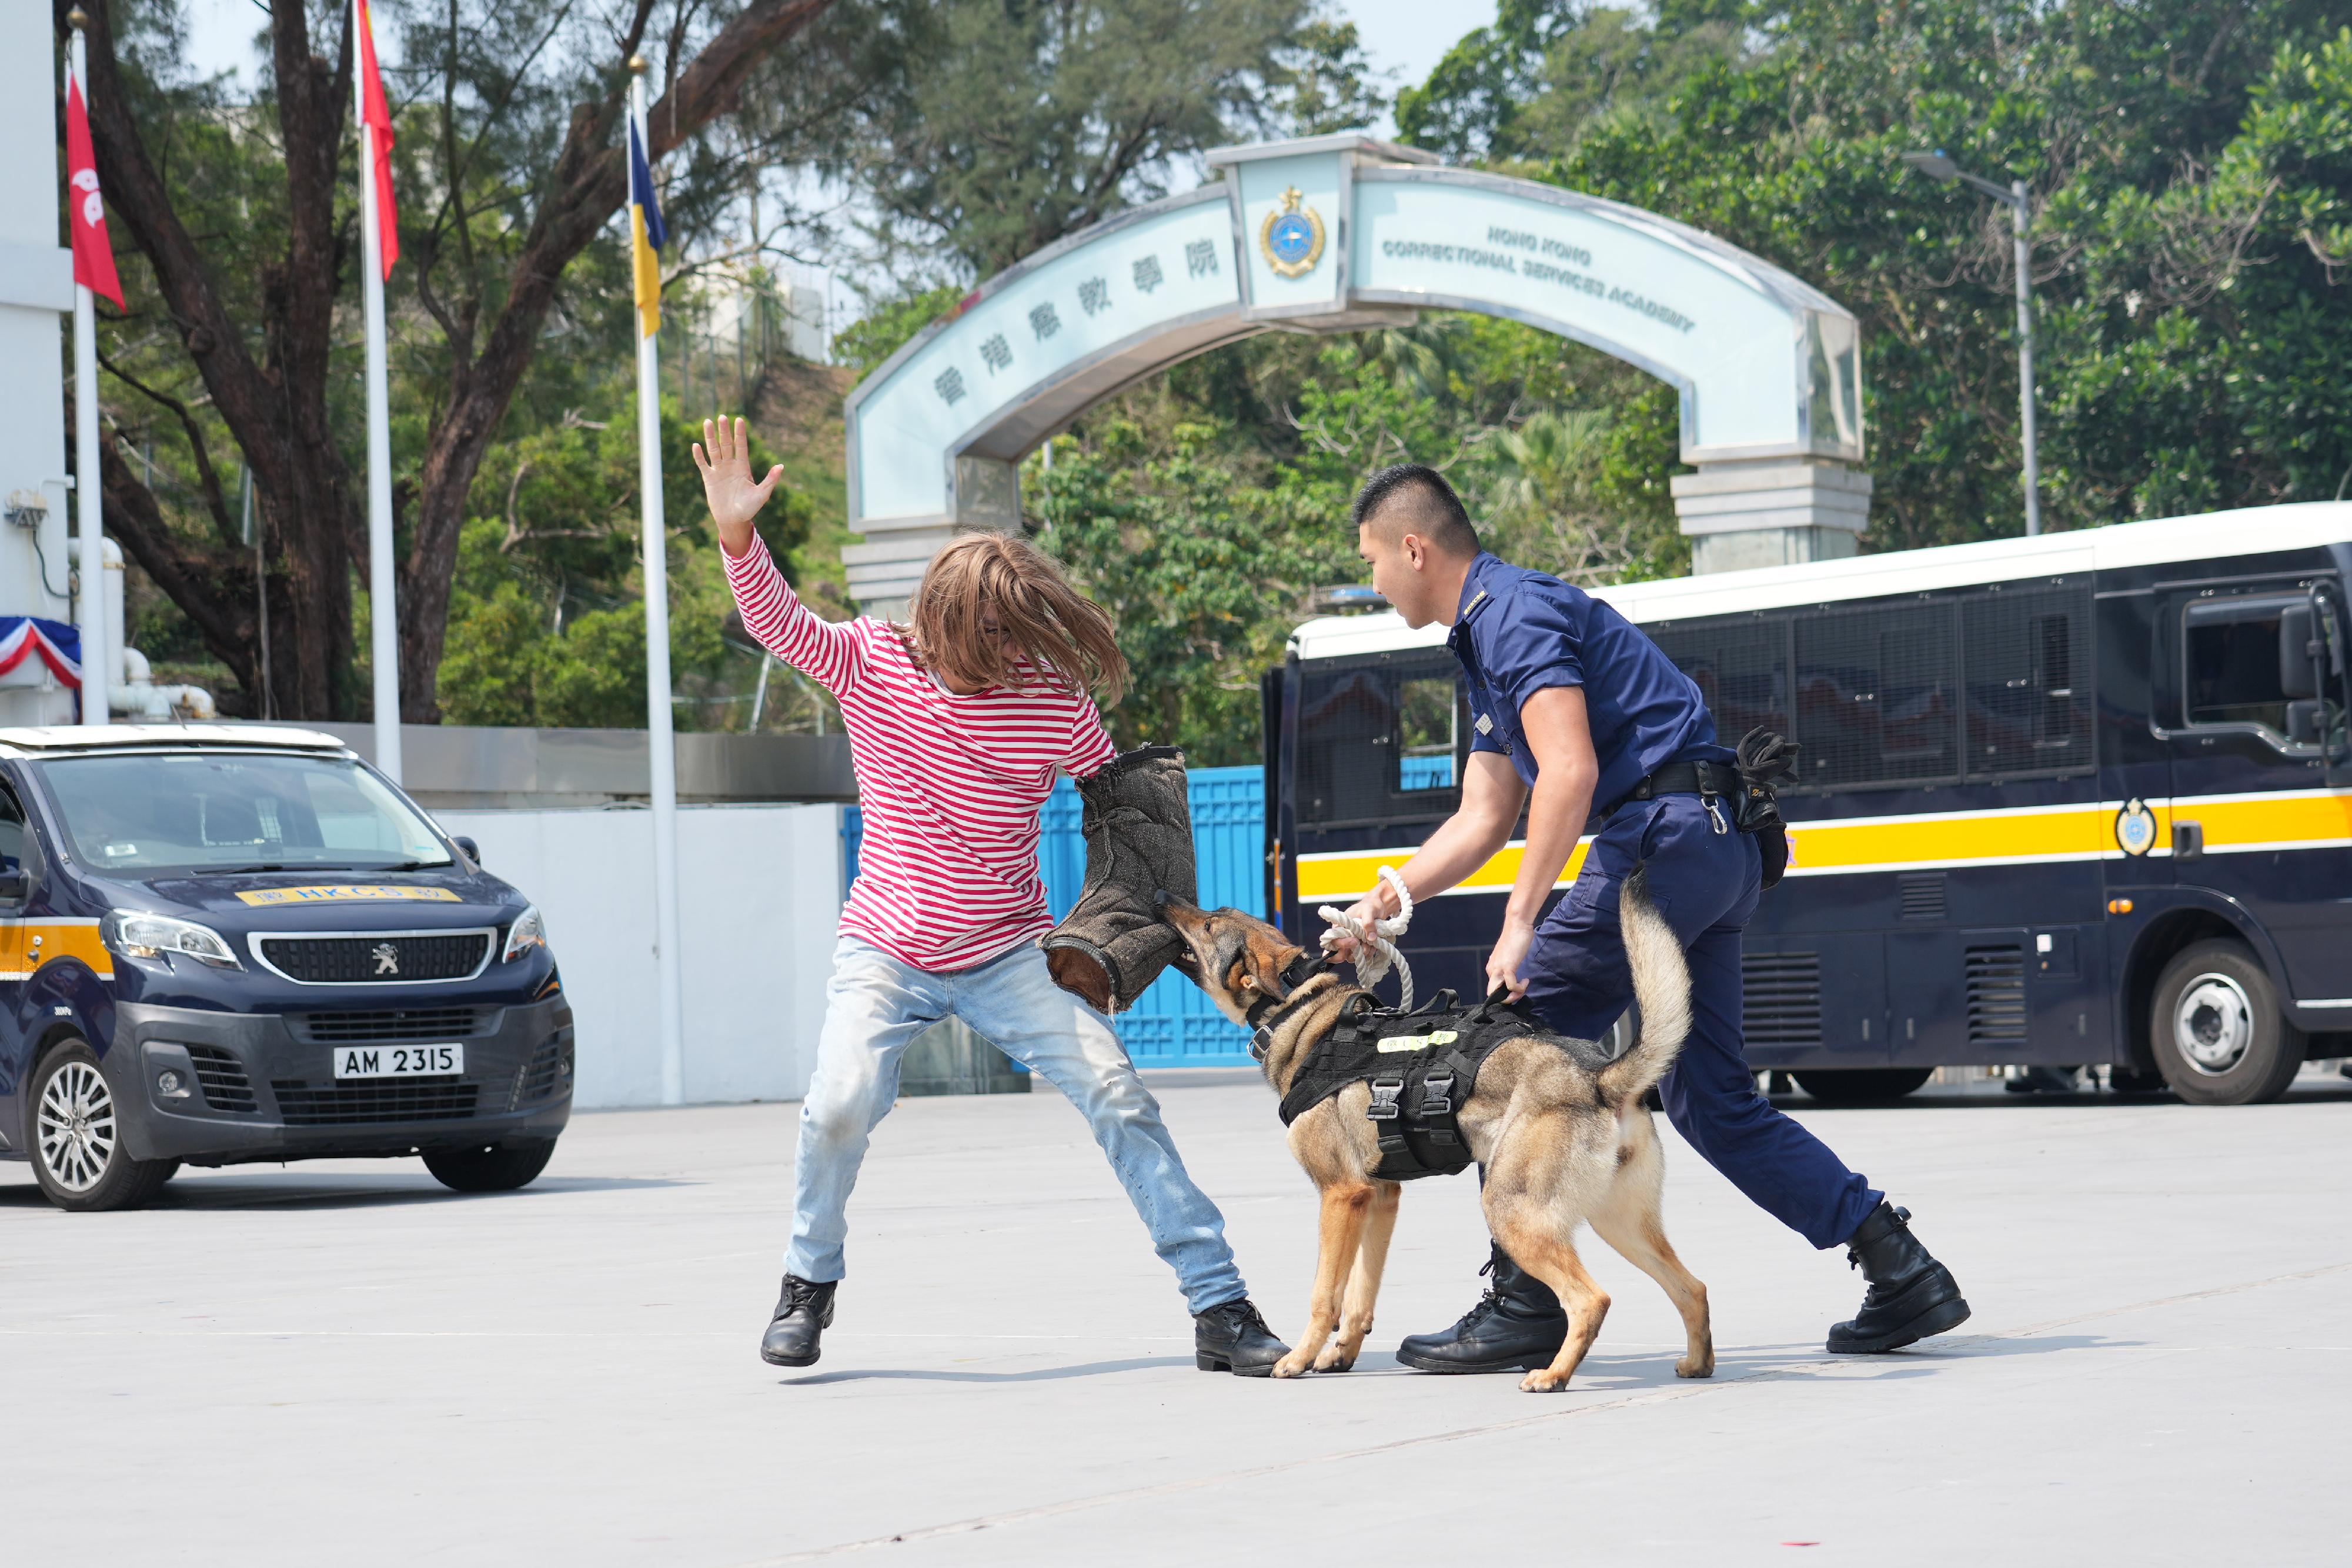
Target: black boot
point(1910, 1296)
point(1516, 1326)
point(803, 1313)
point(1231, 1337)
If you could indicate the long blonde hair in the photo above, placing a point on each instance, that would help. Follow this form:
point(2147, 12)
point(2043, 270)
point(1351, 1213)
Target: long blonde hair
point(1053, 633)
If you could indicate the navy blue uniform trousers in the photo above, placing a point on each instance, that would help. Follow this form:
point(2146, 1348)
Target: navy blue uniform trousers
point(1705, 884)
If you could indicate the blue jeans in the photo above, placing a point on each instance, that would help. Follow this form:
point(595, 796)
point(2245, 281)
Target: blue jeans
point(1704, 884)
point(874, 1007)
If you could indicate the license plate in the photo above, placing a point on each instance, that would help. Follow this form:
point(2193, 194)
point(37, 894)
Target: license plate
point(398, 1061)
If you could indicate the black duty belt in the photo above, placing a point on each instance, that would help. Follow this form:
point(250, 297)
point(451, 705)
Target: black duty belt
point(1709, 781)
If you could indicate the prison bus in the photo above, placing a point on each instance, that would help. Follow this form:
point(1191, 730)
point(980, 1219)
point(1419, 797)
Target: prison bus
point(2079, 799)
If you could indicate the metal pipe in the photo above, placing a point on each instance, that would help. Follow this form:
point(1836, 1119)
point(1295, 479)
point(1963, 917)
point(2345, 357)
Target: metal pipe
point(384, 613)
point(90, 504)
point(2020, 203)
point(662, 744)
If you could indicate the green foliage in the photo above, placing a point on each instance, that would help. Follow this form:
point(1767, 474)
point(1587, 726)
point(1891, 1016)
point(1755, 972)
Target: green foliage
point(1010, 123)
point(546, 623)
point(883, 328)
point(2189, 233)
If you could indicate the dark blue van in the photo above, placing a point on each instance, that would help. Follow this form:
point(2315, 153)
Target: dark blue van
point(227, 944)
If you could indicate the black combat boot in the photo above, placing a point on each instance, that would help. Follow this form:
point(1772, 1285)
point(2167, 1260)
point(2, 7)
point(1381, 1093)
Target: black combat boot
point(1231, 1337)
point(1516, 1326)
point(1910, 1296)
point(803, 1313)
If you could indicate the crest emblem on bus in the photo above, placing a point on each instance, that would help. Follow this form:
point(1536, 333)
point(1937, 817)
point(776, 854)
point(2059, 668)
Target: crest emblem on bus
point(386, 956)
point(1291, 238)
point(2135, 828)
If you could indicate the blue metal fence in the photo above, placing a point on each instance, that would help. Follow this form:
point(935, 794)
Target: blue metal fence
point(1171, 1024)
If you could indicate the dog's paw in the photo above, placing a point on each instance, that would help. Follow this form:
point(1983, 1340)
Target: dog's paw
point(1696, 1367)
point(1335, 1359)
point(1543, 1380)
point(1294, 1365)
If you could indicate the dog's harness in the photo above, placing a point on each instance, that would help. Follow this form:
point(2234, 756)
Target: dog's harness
point(1421, 1067)
point(1267, 1011)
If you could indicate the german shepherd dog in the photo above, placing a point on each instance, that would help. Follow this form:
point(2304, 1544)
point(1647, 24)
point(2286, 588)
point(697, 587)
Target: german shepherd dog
point(1561, 1142)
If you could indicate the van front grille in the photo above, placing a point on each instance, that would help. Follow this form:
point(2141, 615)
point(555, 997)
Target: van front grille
point(305, 1104)
point(377, 960)
point(1782, 1002)
point(1996, 996)
point(223, 1078)
point(550, 1064)
point(387, 1023)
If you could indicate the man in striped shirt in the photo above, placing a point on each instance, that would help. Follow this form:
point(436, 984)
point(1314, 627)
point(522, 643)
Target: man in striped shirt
point(957, 725)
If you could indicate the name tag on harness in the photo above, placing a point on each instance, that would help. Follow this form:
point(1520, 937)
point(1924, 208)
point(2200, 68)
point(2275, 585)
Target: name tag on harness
point(1417, 1041)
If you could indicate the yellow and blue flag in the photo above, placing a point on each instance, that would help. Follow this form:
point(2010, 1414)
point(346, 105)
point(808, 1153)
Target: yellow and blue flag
point(647, 235)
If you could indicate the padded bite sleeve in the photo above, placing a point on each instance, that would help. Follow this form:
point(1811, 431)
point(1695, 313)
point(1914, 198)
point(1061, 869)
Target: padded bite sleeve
point(1138, 832)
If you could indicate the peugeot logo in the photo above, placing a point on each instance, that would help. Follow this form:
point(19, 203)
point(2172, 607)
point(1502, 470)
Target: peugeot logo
point(387, 958)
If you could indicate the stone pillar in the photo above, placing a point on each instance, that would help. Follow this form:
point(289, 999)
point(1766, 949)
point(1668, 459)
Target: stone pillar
point(1771, 511)
point(984, 493)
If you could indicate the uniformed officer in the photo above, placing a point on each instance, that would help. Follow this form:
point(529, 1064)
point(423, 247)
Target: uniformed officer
point(1579, 718)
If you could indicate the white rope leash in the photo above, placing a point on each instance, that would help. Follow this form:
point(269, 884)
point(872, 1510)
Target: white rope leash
point(1376, 948)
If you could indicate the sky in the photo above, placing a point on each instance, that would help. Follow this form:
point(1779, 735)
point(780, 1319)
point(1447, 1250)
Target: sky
point(1397, 33)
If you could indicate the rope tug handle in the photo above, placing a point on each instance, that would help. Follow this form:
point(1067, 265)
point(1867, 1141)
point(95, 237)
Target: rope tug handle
point(1376, 949)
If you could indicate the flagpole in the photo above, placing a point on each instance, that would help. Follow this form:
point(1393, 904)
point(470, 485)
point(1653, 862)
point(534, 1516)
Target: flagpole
point(383, 616)
point(88, 487)
point(669, 992)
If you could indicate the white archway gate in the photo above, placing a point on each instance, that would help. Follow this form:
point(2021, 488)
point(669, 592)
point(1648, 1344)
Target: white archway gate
point(1339, 233)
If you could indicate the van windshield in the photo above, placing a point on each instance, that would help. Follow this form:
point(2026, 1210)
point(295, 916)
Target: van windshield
point(230, 811)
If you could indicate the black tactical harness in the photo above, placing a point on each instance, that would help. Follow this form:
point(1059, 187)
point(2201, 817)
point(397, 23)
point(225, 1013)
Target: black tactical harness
point(1421, 1067)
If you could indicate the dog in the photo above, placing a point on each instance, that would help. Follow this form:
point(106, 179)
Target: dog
point(1562, 1142)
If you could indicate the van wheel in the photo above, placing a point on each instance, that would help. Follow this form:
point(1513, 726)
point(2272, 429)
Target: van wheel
point(490, 1169)
point(78, 1153)
point(1861, 1085)
point(2216, 1028)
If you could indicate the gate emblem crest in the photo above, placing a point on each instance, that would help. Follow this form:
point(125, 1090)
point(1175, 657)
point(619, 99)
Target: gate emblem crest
point(1291, 238)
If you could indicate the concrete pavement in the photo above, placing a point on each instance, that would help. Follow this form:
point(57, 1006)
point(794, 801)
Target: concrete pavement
point(343, 1363)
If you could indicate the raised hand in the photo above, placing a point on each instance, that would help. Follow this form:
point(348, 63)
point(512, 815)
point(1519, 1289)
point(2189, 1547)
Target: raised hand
point(724, 455)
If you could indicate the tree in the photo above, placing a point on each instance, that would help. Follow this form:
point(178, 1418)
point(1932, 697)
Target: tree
point(491, 253)
point(1010, 123)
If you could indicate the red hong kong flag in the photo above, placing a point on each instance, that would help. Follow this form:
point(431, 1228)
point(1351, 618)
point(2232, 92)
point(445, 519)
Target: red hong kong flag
point(377, 115)
point(93, 251)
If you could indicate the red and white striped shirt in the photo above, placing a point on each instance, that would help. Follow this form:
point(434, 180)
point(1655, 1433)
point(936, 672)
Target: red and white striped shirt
point(951, 786)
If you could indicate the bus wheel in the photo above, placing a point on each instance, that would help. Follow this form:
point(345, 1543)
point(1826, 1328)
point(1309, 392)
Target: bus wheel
point(1860, 1086)
point(2216, 1028)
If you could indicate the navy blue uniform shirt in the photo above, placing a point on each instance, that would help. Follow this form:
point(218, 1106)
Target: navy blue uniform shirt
point(1518, 632)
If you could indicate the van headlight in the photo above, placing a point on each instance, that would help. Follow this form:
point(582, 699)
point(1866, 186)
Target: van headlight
point(137, 935)
point(528, 931)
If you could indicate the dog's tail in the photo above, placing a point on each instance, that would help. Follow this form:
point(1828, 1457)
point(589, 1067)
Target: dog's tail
point(1661, 989)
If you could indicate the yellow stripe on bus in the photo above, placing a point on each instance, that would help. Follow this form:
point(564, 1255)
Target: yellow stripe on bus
point(2314, 819)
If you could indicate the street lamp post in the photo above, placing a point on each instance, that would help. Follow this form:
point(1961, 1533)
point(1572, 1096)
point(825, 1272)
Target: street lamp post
point(2017, 196)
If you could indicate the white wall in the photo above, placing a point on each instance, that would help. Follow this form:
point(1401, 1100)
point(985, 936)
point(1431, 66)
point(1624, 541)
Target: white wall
point(758, 895)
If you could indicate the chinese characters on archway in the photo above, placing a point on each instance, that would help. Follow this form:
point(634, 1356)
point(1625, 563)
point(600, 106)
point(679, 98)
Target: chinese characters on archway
point(1093, 299)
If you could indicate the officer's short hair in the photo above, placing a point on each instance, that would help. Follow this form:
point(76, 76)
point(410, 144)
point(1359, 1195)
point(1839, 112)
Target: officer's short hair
point(1412, 498)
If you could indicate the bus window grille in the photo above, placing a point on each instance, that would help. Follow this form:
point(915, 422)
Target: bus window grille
point(1741, 670)
point(1996, 983)
point(1781, 998)
point(1876, 693)
point(1923, 894)
point(2027, 680)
